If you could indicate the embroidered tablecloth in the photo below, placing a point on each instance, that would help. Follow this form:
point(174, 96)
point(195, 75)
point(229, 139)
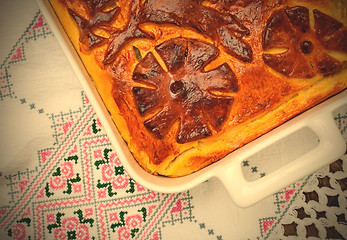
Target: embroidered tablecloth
point(61, 178)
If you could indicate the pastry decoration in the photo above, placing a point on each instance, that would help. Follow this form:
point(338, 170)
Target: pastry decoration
point(184, 92)
point(222, 28)
point(98, 15)
point(306, 49)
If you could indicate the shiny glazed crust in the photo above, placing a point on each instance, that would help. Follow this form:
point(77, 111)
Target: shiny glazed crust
point(183, 95)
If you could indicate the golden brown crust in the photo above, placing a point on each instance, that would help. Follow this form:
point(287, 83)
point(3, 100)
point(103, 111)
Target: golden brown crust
point(284, 63)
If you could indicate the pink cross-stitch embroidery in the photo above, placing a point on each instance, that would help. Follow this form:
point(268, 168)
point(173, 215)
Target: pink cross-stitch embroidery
point(39, 22)
point(18, 54)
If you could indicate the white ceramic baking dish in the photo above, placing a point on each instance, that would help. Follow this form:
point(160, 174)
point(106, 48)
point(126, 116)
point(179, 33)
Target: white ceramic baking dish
point(244, 193)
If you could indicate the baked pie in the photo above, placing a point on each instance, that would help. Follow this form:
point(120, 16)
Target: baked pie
point(189, 81)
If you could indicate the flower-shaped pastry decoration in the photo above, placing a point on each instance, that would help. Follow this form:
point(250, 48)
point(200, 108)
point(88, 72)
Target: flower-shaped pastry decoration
point(306, 48)
point(199, 100)
point(93, 18)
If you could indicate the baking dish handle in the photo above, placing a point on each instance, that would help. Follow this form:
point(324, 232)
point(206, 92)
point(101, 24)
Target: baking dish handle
point(331, 146)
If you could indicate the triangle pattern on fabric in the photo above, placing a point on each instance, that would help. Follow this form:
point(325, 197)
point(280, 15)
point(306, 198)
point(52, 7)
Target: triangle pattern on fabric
point(288, 194)
point(44, 155)
point(177, 207)
point(17, 55)
point(265, 224)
